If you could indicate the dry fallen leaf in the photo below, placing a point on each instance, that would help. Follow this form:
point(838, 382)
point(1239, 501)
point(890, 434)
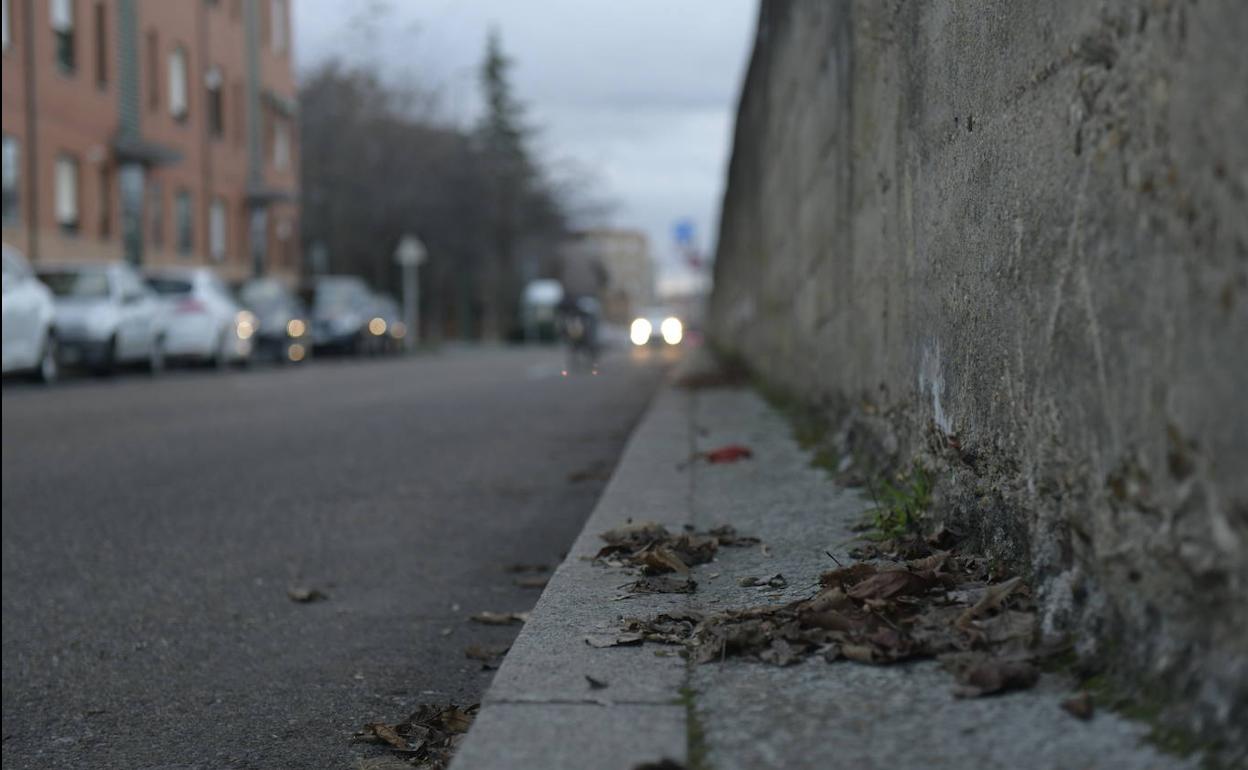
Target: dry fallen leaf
point(304, 595)
point(485, 652)
point(661, 559)
point(500, 618)
point(775, 581)
point(992, 598)
point(728, 454)
point(1079, 705)
point(531, 582)
point(521, 568)
point(891, 583)
point(613, 640)
point(987, 676)
point(663, 584)
point(386, 733)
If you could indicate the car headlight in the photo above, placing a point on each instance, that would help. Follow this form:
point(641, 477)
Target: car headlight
point(245, 324)
point(672, 330)
point(377, 326)
point(295, 327)
point(640, 331)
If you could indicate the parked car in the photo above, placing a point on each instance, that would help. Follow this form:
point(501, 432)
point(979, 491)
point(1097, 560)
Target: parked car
point(386, 327)
point(29, 313)
point(282, 330)
point(341, 307)
point(204, 323)
point(105, 316)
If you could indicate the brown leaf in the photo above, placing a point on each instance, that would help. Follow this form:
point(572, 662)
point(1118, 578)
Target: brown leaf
point(891, 583)
point(661, 559)
point(531, 582)
point(304, 595)
point(384, 732)
point(521, 568)
point(500, 618)
point(613, 640)
point(663, 584)
point(636, 535)
point(994, 675)
point(1079, 705)
point(992, 598)
point(847, 576)
point(775, 581)
point(484, 652)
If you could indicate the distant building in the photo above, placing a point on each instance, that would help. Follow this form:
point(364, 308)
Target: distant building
point(159, 132)
point(615, 265)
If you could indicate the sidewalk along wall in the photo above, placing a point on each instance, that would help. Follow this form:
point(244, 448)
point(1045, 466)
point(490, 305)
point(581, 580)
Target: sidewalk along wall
point(1011, 241)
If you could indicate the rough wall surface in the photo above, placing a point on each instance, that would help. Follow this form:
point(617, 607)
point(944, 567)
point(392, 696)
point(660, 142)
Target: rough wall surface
point(1016, 235)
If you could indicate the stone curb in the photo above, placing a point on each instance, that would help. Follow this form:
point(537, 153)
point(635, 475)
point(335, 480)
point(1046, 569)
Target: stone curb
point(541, 711)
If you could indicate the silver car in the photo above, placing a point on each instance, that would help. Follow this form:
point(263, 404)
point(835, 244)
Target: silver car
point(105, 316)
point(29, 339)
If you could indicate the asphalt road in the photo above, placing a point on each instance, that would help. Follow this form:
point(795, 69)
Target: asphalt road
point(152, 529)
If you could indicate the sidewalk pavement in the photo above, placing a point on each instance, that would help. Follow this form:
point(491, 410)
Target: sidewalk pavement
point(542, 711)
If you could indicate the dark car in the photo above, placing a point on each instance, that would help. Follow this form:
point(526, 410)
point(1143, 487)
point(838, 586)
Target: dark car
point(386, 326)
point(283, 332)
point(341, 307)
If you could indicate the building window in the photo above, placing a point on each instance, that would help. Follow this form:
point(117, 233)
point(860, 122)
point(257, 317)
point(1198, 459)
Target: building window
point(236, 99)
point(277, 25)
point(11, 155)
point(4, 20)
point(218, 231)
point(215, 108)
point(62, 12)
point(178, 104)
point(101, 45)
point(156, 212)
point(153, 71)
point(281, 145)
point(106, 202)
point(66, 192)
point(184, 219)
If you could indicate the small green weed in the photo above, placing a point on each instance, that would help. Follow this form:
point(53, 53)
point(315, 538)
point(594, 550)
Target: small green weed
point(900, 505)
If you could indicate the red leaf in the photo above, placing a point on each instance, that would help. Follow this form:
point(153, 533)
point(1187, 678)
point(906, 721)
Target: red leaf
point(728, 454)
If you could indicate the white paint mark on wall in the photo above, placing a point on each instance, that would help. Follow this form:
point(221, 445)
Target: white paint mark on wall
point(932, 379)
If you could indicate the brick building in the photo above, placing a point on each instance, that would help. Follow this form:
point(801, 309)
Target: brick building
point(156, 131)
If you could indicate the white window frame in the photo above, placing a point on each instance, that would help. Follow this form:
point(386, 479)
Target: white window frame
point(66, 192)
point(218, 234)
point(61, 15)
point(179, 104)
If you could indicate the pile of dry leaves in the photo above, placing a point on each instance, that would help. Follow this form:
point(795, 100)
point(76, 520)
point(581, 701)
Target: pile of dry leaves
point(427, 738)
point(664, 558)
point(941, 605)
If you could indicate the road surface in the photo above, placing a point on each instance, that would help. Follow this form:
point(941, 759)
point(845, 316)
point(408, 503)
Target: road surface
point(153, 528)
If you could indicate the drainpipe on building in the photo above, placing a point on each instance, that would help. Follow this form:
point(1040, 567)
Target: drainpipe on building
point(256, 205)
point(32, 133)
point(131, 175)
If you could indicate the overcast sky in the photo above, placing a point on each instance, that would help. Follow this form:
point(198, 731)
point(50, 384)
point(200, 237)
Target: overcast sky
point(640, 93)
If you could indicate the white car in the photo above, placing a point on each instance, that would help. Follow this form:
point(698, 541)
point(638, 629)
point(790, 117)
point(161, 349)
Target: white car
point(29, 335)
point(105, 315)
point(656, 326)
point(203, 322)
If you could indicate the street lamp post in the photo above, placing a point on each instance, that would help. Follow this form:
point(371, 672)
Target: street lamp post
point(410, 255)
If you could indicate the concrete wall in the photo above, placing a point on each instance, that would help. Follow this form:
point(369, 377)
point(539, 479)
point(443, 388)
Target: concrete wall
point(1011, 239)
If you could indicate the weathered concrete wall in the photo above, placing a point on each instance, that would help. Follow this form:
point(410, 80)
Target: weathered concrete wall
point(1012, 239)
